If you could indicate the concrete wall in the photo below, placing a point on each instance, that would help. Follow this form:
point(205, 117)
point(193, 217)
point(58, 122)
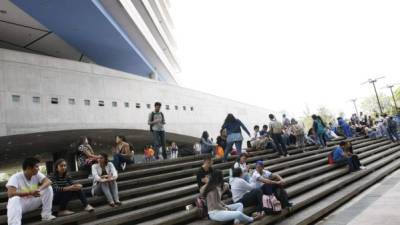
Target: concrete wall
point(28, 75)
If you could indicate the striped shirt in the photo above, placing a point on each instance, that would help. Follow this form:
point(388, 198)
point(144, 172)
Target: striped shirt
point(58, 182)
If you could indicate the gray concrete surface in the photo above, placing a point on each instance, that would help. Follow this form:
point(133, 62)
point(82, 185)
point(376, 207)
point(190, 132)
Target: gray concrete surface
point(378, 205)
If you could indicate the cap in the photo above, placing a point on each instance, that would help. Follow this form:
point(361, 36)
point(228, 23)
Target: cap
point(260, 163)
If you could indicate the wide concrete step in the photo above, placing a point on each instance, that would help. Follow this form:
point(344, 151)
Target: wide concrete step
point(105, 212)
point(169, 219)
point(133, 217)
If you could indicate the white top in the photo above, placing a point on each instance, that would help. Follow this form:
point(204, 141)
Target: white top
point(239, 187)
point(241, 166)
point(255, 178)
point(22, 184)
point(96, 173)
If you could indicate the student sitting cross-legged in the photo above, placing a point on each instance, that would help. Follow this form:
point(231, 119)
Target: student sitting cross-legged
point(217, 210)
point(27, 191)
point(66, 189)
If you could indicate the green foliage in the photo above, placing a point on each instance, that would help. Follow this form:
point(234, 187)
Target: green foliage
point(370, 105)
point(326, 115)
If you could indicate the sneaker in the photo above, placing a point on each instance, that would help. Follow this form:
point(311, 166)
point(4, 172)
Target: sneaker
point(48, 217)
point(89, 208)
point(65, 213)
point(363, 167)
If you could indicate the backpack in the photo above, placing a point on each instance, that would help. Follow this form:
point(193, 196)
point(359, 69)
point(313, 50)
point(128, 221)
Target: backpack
point(330, 158)
point(152, 118)
point(201, 205)
point(392, 124)
point(271, 205)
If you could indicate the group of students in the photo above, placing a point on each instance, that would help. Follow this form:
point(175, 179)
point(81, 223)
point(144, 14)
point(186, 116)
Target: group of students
point(122, 151)
point(30, 189)
point(246, 187)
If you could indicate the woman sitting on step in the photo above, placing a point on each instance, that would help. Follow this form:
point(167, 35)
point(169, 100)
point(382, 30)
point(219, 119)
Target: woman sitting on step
point(105, 180)
point(217, 210)
point(65, 189)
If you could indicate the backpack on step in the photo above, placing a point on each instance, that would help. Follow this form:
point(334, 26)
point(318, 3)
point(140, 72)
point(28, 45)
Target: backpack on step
point(201, 205)
point(271, 205)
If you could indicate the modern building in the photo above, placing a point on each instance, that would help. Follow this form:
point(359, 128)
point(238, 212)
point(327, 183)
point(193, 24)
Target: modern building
point(96, 67)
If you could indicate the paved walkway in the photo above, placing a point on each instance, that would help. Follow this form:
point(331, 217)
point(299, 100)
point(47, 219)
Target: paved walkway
point(379, 205)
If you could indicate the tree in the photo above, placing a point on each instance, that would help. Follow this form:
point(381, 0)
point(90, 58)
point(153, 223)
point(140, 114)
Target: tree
point(370, 105)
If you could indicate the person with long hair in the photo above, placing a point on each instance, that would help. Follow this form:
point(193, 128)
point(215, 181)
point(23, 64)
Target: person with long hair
point(105, 180)
point(233, 129)
point(66, 189)
point(86, 155)
point(207, 146)
point(217, 210)
point(319, 129)
point(122, 154)
point(242, 164)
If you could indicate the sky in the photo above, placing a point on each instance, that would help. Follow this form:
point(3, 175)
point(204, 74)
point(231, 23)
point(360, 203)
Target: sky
point(288, 55)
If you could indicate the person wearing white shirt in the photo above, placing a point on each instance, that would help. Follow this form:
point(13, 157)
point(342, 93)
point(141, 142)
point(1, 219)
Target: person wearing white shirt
point(27, 191)
point(270, 183)
point(246, 193)
point(105, 180)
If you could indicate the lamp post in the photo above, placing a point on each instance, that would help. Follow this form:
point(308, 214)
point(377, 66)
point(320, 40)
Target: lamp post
point(394, 98)
point(355, 105)
point(373, 81)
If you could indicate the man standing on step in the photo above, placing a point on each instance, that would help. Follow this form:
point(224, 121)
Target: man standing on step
point(275, 129)
point(157, 122)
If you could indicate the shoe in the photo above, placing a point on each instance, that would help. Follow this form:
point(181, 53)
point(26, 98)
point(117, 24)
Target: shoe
point(118, 203)
point(112, 204)
point(48, 217)
point(89, 208)
point(65, 213)
point(258, 217)
point(363, 167)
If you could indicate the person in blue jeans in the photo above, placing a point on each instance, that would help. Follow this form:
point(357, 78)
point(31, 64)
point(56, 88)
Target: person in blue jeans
point(122, 154)
point(233, 129)
point(156, 122)
point(343, 155)
point(319, 128)
point(218, 210)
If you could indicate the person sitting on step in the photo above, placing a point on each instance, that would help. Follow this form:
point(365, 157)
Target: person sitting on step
point(246, 193)
point(343, 155)
point(219, 211)
point(65, 189)
point(105, 180)
point(27, 191)
point(122, 153)
point(270, 184)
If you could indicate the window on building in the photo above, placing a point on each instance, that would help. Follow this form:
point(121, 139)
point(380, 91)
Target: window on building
point(184, 107)
point(114, 104)
point(16, 98)
point(54, 100)
point(167, 107)
point(148, 106)
point(126, 104)
point(176, 107)
point(101, 103)
point(138, 105)
point(71, 101)
point(36, 99)
point(86, 102)
point(191, 108)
